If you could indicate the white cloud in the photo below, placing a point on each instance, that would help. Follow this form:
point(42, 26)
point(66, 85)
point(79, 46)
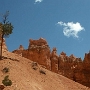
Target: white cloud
point(38, 1)
point(71, 29)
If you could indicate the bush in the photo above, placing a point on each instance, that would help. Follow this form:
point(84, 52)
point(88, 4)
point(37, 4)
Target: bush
point(6, 81)
point(42, 72)
point(34, 66)
point(5, 70)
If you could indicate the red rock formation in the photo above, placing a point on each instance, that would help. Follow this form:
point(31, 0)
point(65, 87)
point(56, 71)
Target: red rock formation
point(54, 60)
point(21, 47)
point(39, 42)
point(86, 69)
point(69, 66)
point(65, 65)
point(39, 51)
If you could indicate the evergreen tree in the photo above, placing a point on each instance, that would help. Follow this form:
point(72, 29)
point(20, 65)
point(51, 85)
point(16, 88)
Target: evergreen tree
point(5, 29)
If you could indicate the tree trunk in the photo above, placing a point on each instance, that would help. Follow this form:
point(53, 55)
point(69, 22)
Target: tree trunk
point(1, 47)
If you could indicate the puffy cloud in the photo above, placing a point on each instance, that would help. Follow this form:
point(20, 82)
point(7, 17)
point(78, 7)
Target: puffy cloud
point(71, 29)
point(38, 1)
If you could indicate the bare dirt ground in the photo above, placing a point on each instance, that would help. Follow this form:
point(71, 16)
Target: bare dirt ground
point(26, 75)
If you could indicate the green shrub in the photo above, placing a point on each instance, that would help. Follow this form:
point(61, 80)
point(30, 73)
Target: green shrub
point(6, 81)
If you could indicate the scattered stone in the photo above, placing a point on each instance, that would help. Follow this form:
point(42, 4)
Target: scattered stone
point(2, 87)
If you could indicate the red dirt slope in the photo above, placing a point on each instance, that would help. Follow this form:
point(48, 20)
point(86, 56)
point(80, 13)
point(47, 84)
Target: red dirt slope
point(25, 75)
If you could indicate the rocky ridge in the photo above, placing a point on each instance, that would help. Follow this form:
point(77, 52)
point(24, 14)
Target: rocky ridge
point(70, 66)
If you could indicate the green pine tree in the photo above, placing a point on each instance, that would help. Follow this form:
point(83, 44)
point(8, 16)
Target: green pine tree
point(5, 29)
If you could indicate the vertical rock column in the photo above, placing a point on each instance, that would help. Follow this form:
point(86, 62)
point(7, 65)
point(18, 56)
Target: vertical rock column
point(54, 60)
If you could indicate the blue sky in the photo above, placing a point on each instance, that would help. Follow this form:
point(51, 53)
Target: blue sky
point(65, 24)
